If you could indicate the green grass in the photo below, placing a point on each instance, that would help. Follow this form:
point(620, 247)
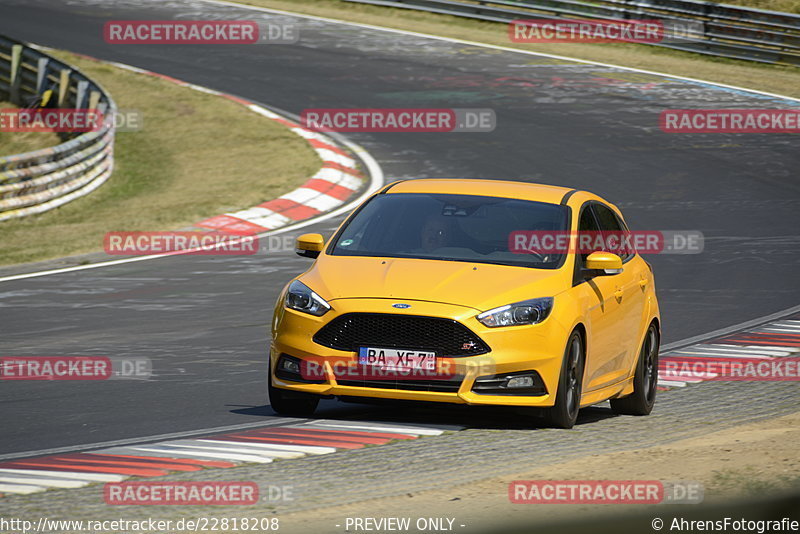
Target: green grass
point(12, 143)
point(197, 156)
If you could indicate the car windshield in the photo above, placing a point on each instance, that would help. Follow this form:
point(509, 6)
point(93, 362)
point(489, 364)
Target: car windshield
point(449, 227)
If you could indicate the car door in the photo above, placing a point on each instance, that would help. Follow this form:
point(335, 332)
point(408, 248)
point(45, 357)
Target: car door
point(629, 295)
point(603, 312)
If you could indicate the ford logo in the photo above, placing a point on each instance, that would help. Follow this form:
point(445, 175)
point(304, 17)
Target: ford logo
point(401, 306)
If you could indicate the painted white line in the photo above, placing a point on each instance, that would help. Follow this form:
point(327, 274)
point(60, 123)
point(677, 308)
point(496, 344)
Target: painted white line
point(414, 431)
point(308, 449)
point(312, 199)
point(267, 113)
point(21, 489)
point(251, 213)
point(50, 482)
point(773, 348)
point(180, 452)
point(308, 134)
point(707, 347)
point(71, 475)
point(790, 326)
point(375, 174)
point(731, 329)
point(197, 444)
point(688, 377)
point(271, 221)
point(671, 383)
point(166, 456)
point(277, 421)
point(491, 46)
point(765, 349)
point(203, 89)
point(338, 177)
point(329, 156)
point(729, 349)
point(723, 355)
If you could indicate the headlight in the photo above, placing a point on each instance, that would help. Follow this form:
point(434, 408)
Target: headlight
point(301, 298)
point(526, 312)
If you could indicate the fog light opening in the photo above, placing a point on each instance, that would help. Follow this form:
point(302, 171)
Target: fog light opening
point(525, 381)
point(519, 383)
point(290, 366)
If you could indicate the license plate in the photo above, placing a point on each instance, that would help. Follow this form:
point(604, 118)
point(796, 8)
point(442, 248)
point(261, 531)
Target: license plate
point(397, 359)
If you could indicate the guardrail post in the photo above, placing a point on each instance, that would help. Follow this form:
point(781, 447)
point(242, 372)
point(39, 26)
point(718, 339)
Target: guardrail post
point(80, 95)
point(41, 74)
point(15, 79)
point(69, 170)
point(94, 99)
point(63, 86)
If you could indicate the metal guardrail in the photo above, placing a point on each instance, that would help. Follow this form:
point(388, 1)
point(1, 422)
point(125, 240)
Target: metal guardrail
point(716, 29)
point(39, 181)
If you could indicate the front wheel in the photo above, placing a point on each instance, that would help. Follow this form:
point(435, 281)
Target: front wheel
point(570, 386)
point(645, 380)
point(291, 403)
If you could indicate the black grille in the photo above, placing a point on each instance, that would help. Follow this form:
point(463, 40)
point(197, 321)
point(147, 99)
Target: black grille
point(445, 336)
point(442, 386)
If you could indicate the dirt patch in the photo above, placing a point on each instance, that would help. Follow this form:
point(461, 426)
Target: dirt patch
point(752, 459)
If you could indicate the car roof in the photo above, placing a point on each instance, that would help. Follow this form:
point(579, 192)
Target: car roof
point(491, 188)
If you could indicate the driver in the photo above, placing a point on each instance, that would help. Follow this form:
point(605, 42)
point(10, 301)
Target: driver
point(435, 233)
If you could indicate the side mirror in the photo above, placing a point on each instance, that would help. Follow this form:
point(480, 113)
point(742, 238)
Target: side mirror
point(603, 264)
point(309, 245)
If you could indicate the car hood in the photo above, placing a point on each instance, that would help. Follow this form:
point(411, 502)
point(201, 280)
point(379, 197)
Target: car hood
point(476, 285)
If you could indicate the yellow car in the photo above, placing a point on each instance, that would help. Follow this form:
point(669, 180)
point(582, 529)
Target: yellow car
point(452, 291)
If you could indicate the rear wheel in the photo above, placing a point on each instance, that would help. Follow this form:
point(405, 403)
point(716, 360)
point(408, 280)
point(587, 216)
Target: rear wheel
point(570, 386)
point(645, 380)
point(291, 403)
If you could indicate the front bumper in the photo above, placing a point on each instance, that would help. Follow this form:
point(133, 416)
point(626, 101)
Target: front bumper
point(538, 348)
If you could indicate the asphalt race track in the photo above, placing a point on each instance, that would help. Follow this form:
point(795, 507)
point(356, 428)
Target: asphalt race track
point(203, 320)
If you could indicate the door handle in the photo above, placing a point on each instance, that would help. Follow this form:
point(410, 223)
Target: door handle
point(643, 283)
point(618, 294)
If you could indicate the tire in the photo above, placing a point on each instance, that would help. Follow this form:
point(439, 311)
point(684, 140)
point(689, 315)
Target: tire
point(291, 403)
point(645, 380)
point(564, 412)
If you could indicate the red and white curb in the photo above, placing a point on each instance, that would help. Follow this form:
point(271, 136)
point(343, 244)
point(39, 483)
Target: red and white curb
point(336, 182)
point(257, 446)
point(778, 339)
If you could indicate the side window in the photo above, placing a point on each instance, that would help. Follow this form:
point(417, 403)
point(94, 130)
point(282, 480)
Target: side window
point(586, 224)
point(609, 222)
